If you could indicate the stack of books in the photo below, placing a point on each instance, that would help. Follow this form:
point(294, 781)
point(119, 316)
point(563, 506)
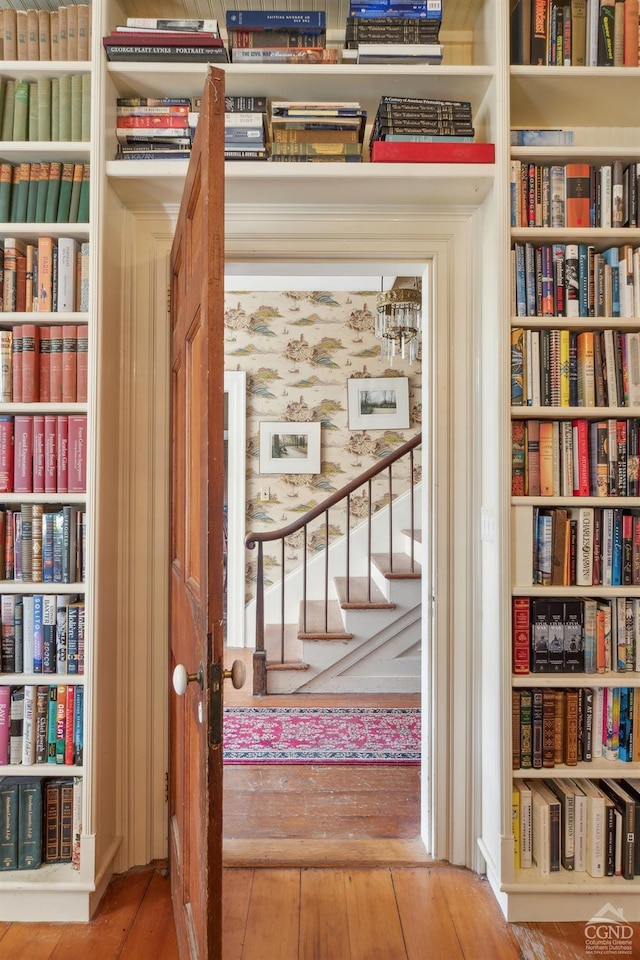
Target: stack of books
point(302, 131)
point(159, 128)
point(278, 36)
point(245, 128)
point(419, 130)
point(153, 40)
point(393, 32)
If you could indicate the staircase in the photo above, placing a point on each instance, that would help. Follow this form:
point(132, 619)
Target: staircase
point(348, 618)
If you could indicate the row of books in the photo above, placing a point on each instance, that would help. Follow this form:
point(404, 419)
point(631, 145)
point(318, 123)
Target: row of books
point(41, 724)
point(50, 275)
point(155, 128)
point(575, 280)
point(563, 368)
point(581, 33)
point(42, 543)
point(43, 453)
point(35, 34)
point(555, 727)
point(577, 458)
point(585, 547)
point(42, 634)
point(579, 825)
point(44, 192)
point(574, 194)
point(40, 363)
point(307, 131)
point(578, 635)
point(166, 42)
point(49, 109)
point(41, 821)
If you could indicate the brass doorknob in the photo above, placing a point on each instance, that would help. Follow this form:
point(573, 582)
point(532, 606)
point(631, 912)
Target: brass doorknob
point(237, 674)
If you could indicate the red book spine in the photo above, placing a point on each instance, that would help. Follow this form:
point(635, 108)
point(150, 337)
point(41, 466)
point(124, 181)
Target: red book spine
point(50, 453)
point(68, 733)
point(38, 454)
point(385, 151)
point(62, 459)
point(30, 364)
point(6, 454)
point(5, 704)
point(581, 452)
point(23, 454)
point(158, 120)
point(77, 453)
point(16, 363)
point(82, 362)
point(55, 364)
point(69, 363)
point(521, 639)
point(45, 364)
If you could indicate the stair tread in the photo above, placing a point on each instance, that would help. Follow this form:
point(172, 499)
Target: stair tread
point(417, 534)
point(317, 628)
point(399, 569)
point(363, 595)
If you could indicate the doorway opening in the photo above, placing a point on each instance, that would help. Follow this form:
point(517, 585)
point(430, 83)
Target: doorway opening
point(299, 801)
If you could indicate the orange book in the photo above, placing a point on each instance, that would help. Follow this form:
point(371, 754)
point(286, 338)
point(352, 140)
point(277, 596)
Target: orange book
point(55, 363)
point(45, 274)
point(578, 194)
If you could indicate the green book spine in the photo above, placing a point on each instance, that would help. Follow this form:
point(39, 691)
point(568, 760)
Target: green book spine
point(9, 110)
point(76, 186)
point(8, 825)
point(30, 825)
point(15, 180)
point(6, 178)
point(86, 107)
point(21, 111)
point(53, 193)
point(32, 196)
point(43, 186)
point(65, 108)
point(23, 193)
point(76, 107)
point(33, 111)
point(3, 88)
point(44, 108)
point(83, 207)
point(64, 195)
point(55, 108)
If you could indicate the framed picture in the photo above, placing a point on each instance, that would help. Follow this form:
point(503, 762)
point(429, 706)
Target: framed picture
point(378, 403)
point(289, 447)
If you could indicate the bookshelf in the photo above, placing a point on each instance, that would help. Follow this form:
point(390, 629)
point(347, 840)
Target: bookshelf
point(63, 889)
point(596, 104)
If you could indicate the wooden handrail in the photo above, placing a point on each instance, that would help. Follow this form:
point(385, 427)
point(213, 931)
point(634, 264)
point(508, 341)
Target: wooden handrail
point(256, 538)
point(252, 539)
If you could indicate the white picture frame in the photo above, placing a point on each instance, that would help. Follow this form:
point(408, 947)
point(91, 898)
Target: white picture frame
point(378, 403)
point(289, 447)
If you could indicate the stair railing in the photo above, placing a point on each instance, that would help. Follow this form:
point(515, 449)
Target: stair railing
point(302, 523)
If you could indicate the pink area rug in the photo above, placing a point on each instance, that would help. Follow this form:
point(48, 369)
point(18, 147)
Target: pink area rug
point(321, 735)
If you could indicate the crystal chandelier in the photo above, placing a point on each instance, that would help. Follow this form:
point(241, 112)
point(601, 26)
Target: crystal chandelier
point(398, 322)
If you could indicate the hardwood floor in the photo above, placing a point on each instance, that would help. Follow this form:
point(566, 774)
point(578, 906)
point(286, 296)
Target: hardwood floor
point(321, 863)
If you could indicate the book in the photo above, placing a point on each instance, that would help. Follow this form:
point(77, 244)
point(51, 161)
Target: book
point(314, 54)
point(384, 151)
point(205, 51)
point(9, 807)
point(175, 24)
point(275, 19)
point(578, 194)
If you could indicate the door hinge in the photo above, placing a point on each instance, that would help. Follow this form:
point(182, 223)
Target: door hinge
point(169, 299)
point(166, 786)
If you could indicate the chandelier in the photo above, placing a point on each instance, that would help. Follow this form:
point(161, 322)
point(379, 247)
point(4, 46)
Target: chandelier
point(398, 322)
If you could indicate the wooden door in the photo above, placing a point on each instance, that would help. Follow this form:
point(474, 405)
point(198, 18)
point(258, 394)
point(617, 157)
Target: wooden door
point(196, 562)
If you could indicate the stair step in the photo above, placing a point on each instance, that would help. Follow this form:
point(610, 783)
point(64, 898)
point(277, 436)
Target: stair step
point(288, 665)
point(292, 647)
point(417, 535)
point(316, 628)
point(359, 599)
point(400, 566)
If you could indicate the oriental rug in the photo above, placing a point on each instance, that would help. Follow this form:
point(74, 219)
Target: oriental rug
point(321, 735)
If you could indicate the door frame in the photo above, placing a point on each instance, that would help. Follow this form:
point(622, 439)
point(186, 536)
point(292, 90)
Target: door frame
point(449, 793)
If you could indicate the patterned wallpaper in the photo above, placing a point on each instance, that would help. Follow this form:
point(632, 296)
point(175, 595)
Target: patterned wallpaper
point(298, 350)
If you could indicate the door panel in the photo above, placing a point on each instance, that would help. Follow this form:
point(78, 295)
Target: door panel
point(196, 525)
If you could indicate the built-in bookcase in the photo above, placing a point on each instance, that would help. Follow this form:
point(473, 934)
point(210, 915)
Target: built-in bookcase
point(595, 104)
point(59, 317)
